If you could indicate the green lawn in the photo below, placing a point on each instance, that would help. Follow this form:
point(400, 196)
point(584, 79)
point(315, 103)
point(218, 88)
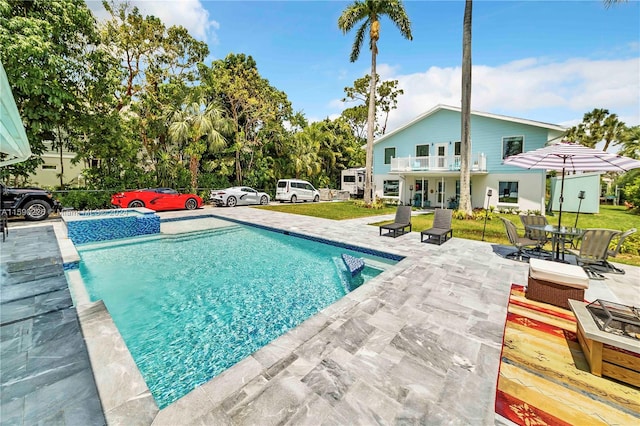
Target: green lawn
point(335, 210)
point(612, 217)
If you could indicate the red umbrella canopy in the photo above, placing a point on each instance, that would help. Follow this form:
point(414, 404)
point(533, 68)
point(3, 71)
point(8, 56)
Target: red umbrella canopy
point(572, 157)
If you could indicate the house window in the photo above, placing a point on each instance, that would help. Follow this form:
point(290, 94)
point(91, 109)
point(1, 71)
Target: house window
point(508, 192)
point(456, 148)
point(512, 145)
point(389, 153)
point(391, 188)
point(422, 150)
point(349, 178)
point(49, 167)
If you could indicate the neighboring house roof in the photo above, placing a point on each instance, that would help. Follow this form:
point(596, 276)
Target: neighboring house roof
point(13, 138)
point(440, 107)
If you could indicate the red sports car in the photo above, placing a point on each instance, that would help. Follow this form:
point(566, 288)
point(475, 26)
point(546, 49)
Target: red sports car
point(157, 199)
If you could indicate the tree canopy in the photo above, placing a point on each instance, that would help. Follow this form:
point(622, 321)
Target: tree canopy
point(135, 101)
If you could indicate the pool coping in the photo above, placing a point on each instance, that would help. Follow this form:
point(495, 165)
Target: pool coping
point(124, 394)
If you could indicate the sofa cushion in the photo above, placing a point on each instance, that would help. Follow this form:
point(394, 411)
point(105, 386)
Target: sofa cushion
point(560, 273)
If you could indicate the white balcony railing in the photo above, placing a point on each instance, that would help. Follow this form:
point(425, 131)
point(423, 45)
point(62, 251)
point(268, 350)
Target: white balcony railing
point(436, 163)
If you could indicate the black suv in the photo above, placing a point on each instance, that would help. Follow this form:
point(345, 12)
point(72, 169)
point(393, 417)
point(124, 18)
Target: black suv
point(32, 203)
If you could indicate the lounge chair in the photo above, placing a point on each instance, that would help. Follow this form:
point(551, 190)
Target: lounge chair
point(441, 228)
point(401, 222)
point(520, 243)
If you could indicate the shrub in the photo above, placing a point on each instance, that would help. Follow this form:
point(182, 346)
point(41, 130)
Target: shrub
point(85, 200)
point(378, 203)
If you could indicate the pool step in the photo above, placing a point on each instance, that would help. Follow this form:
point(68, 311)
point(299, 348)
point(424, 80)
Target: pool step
point(202, 233)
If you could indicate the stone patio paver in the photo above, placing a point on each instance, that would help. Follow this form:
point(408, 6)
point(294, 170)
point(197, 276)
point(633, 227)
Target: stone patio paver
point(418, 344)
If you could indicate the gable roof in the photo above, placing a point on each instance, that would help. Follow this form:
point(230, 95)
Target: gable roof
point(440, 107)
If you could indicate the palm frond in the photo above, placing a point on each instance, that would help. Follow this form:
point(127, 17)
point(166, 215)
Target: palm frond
point(357, 43)
point(609, 3)
point(398, 16)
point(351, 16)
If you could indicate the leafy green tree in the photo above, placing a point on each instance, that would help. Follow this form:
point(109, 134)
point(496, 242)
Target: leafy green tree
point(150, 53)
point(465, 114)
point(251, 104)
point(597, 125)
point(369, 12)
point(198, 126)
point(356, 117)
point(387, 94)
point(48, 49)
point(157, 68)
point(629, 183)
point(630, 142)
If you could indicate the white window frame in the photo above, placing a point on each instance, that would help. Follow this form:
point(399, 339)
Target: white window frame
point(442, 163)
point(518, 192)
point(423, 144)
point(384, 193)
point(395, 152)
point(502, 153)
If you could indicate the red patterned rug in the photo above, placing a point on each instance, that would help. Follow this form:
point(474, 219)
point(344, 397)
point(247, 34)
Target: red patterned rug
point(544, 378)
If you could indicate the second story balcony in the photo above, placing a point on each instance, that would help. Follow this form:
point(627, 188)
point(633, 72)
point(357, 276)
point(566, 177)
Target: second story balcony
point(437, 163)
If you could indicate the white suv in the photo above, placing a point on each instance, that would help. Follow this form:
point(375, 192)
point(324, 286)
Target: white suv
point(295, 190)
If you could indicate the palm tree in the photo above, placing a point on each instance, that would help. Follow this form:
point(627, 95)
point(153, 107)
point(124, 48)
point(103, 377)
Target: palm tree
point(369, 12)
point(597, 125)
point(465, 114)
point(199, 126)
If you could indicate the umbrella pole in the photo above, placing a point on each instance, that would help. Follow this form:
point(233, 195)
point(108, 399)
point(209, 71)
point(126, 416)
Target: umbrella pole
point(560, 200)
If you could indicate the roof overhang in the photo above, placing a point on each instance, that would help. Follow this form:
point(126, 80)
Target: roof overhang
point(13, 138)
point(555, 131)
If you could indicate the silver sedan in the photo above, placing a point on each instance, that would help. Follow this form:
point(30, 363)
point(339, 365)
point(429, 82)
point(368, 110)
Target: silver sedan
point(238, 196)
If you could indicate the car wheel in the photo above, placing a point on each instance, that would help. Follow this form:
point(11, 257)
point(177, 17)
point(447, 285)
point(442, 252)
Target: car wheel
point(264, 200)
point(294, 199)
point(135, 204)
point(232, 202)
point(316, 198)
point(191, 204)
point(36, 210)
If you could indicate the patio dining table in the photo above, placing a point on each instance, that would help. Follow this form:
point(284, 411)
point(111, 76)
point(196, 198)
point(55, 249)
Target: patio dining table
point(560, 235)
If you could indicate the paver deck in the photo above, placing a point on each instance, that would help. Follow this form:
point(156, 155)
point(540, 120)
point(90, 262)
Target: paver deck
point(45, 372)
point(420, 343)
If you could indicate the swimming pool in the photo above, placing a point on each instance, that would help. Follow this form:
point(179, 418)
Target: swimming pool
point(191, 306)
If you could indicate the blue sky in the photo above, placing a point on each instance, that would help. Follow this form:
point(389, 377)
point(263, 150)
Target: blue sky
point(543, 60)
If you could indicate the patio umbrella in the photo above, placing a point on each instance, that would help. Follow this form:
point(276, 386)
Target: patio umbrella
point(567, 156)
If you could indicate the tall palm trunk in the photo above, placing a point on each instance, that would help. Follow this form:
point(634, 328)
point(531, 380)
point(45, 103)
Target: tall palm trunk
point(371, 122)
point(194, 164)
point(465, 114)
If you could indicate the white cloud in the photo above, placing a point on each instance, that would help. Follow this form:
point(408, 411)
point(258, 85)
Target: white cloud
point(187, 13)
point(555, 92)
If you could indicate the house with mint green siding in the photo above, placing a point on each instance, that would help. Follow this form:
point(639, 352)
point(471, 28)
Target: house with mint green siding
point(419, 163)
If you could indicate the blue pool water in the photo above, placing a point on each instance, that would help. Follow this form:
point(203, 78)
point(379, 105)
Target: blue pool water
point(189, 307)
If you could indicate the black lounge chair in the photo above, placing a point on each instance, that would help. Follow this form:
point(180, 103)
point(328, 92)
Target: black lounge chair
point(401, 222)
point(441, 229)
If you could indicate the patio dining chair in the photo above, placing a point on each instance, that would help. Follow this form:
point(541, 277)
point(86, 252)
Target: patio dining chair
point(520, 243)
point(593, 251)
point(607, 266)
point(536, 234)
point(400, 224)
